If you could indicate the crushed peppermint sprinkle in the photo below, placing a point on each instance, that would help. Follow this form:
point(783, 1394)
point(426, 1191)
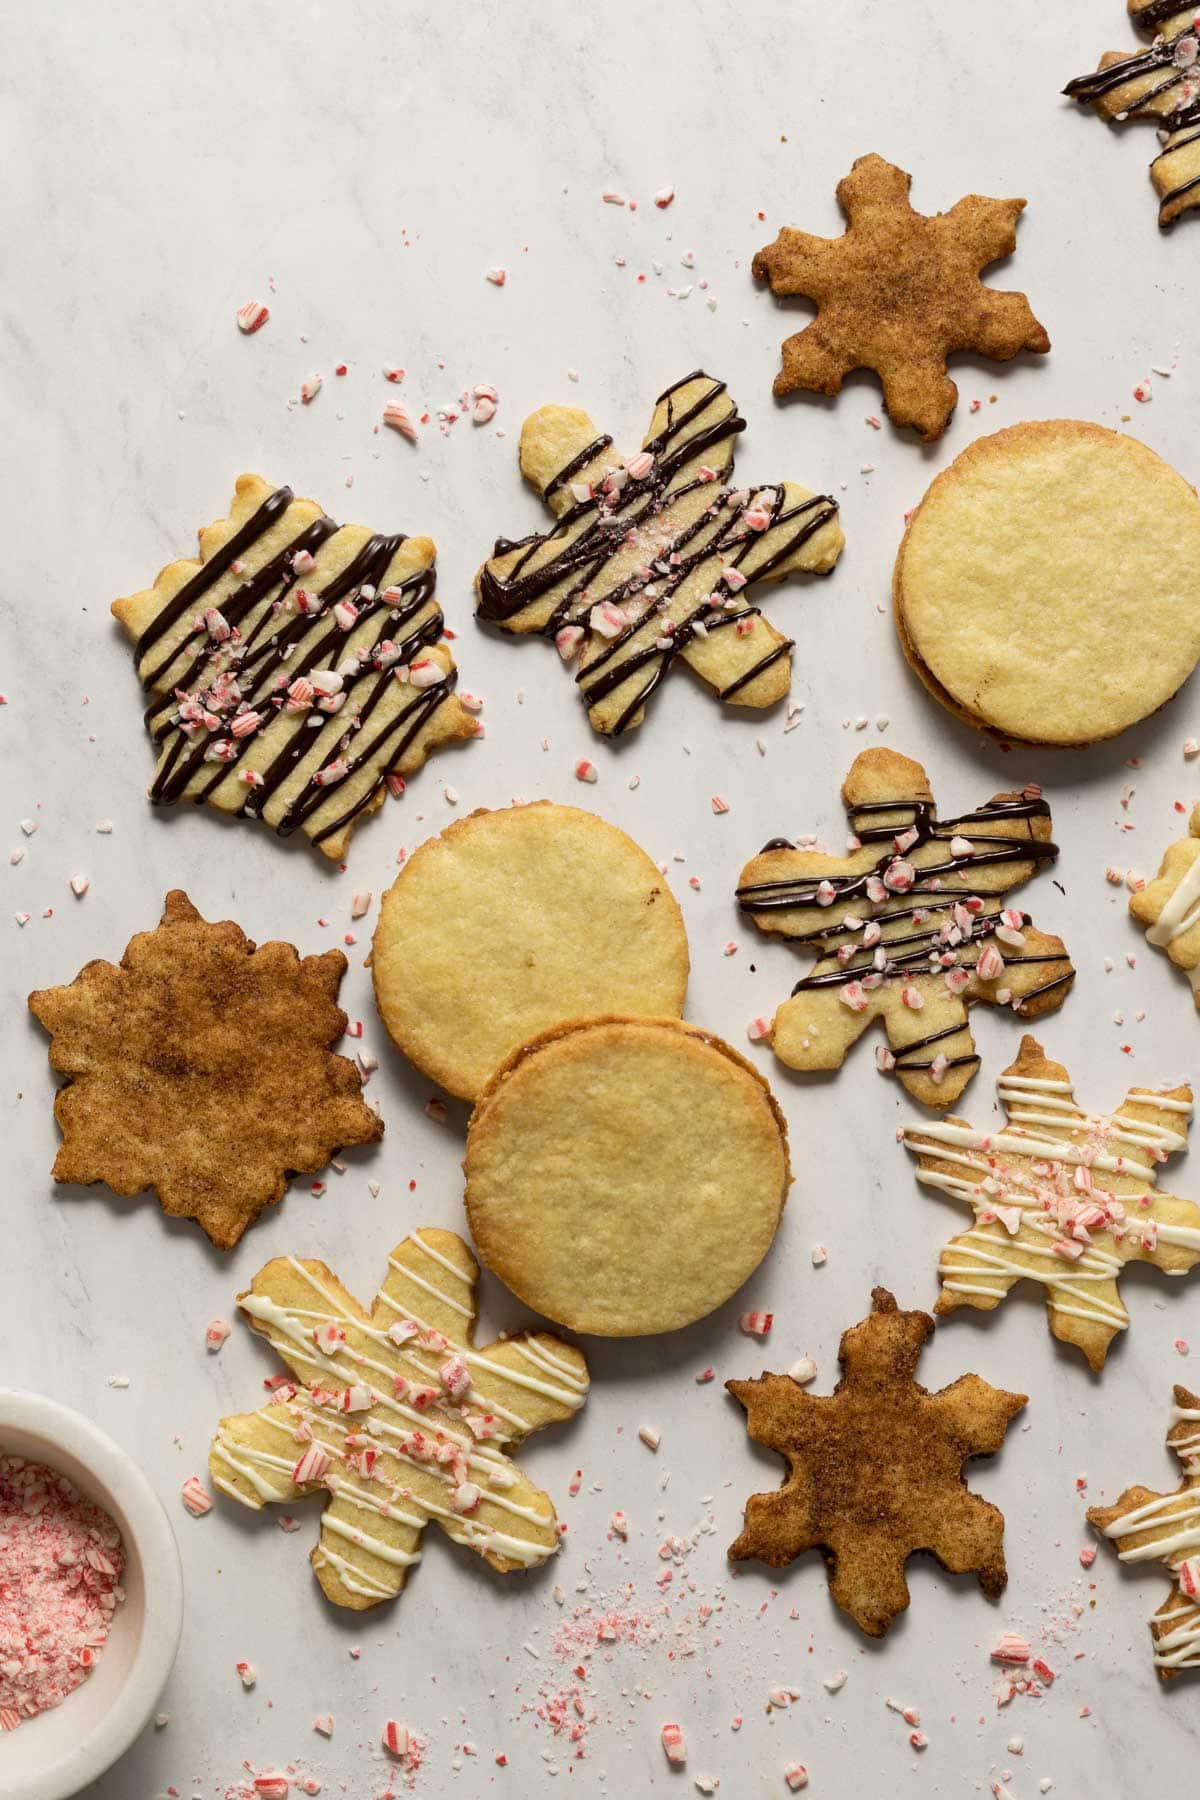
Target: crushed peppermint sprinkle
point(585, 770)
point(720, 804)
point(796, 1776)
point(215, 1333)
point(756, 1324)
point(758, 1030)
point(664, 196)
point(196, 1497)
point(650, 1436)
point(310, 387)
point(252, 317)
point(497, 276)
point(61, 1562)
point(398, 418)
point(674, 1744)
point(804, 1370)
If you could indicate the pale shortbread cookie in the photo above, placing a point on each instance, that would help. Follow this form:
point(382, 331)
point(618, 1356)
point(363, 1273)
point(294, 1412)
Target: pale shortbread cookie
point(910, 928)
point(1048, 585)
point(652, 556)
point(513, 921)
point(1169, 906)
point(625, 1176)
point(293, 667)
point(399, 1417)
point(1162, 84)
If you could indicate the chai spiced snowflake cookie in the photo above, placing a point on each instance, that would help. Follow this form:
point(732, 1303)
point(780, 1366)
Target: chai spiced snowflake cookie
point(898, 293)
point(875, 1469)
point(202, 1066)
point(1149, 1527)
point(909, 927)
point(295, 668)
point(1062, 1197)
point(651, 555)
point(1160, 83)
point(398, 1417)
point(1169, 906)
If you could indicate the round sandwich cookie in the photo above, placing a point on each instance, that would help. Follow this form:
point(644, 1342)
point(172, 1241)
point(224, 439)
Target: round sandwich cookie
point(512, 921)
point(1048, 585)
point(625, 1176)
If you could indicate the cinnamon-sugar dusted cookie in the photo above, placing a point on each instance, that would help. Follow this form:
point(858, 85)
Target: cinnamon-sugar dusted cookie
point(1046, 587)
point(625, 1176)
point(399, 1417)
point(652, 556)
point(293, 667)
point(875, 1469)
point(898, 293)
point(1169, 906)
point(202, 1066)
point(1150, 1527)
point(1162, 84)
point(1062, 1197)
point(910, 928)
point(512, 921)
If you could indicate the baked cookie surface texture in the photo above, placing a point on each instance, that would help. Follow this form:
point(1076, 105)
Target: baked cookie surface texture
point(201, 1066)
point(1160, 83)
point(651, 556)
point(899, 292)
point(875, 1469)
point(1048, 585)
point(910, 928)
point(1062, 1197)
point(398, 1417)
point(293, 667)
point(1169, 906)
point(625, 1176)
point(1149, 1527)
point(510, 922)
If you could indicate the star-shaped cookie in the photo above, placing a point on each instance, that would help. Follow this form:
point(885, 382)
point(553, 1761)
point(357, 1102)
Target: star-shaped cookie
point(294, 668)
point(897, 293)
point(876, 1469)
point(652, 556)
point(1169, 906)
point(1151, 1527)
point(1160, 83)
point(1062, 1197)
point(398, 1417)
point(201, 1066)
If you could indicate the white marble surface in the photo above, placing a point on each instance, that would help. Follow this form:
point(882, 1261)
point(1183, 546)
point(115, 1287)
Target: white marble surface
point(360, 166)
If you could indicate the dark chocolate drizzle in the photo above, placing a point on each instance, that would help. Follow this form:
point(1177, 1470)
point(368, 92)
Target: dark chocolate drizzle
point(911, 953)
point(1160, 55)
point(606, 526)
point(280, 647)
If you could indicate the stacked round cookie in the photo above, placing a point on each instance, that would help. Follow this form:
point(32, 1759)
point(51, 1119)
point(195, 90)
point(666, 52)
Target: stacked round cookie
point(626, 1172)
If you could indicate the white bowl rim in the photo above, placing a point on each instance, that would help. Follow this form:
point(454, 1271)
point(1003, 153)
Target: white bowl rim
point(151, 1531)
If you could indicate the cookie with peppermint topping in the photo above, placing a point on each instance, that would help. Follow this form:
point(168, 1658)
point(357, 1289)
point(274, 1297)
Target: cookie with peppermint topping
point(910, 927)
point(202, 1066)
point(295, 669)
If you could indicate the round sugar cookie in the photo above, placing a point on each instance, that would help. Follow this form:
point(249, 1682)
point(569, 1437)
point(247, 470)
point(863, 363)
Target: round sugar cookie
point(512, 921)
point(1048, 585)
point(625, 1176)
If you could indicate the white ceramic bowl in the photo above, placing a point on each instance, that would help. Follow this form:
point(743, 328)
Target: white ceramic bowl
point(61, 1751)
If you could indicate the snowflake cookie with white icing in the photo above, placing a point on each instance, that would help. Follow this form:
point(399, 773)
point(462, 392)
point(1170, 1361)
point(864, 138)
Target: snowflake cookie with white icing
point(1062, 1197)
point(398, 1417)
point(295, 668)
point(1169, 906)
point(651, 556)
point(1151, 1527)
point(910, 927)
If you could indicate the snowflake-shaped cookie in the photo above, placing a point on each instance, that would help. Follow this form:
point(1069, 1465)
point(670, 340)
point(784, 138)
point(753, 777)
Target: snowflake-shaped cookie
point(202, 1066)
point(295, 668)
point(651, 555)
point(1062, 1197)
point(398, 1417)
point(1150, 1527)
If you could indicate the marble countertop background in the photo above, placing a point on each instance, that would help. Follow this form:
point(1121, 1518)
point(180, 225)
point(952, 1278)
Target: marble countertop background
point(360, 166)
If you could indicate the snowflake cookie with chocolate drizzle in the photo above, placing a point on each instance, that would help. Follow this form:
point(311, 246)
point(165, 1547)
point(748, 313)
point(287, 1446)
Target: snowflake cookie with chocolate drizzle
point(398, 1417)
point(1150, 1527)
point(295, 668)
point(651, 554)
point(1062, 1197)
point(1169, 906)
point(909, 927)
point(1161, 83)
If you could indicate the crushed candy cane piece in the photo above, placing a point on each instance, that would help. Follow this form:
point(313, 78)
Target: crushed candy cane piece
point(674, 1744)
point(196, 1497)
point(650, 1436)
point(252, 317)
